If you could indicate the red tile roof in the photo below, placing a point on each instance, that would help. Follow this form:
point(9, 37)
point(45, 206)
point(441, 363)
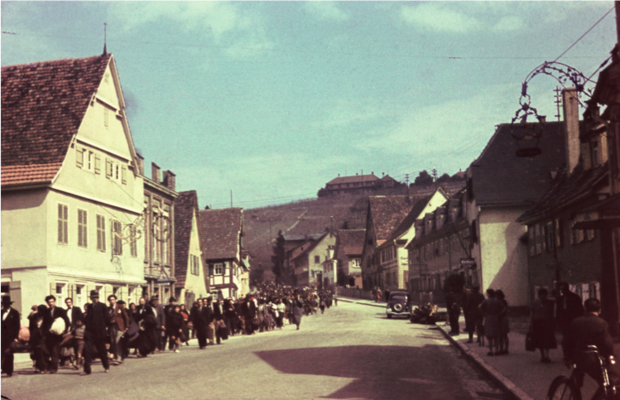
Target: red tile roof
point(388, 212)
point(350, 241)
point(184, 207)
point(43, 105)
point(220, 230)
point(353, 179)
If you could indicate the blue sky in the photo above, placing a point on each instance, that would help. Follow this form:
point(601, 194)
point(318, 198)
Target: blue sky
point(273, 99)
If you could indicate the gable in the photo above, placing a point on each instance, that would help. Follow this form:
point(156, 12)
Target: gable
point(43, 105)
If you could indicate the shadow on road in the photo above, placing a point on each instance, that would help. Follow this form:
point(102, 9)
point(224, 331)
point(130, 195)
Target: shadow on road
point(380, 372)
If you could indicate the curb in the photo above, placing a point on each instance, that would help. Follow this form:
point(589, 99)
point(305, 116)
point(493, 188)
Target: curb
point(357, 302)
point(491, 372)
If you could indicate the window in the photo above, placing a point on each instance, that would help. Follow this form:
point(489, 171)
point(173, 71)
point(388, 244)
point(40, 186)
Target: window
point(165, 227)
point(317, 259)
point(78, 301)
point(558, 233)
point(60, 294)
point(550, 236)
point(194, 263)
point(532, 239)
point(63, 224)
point(590, 234)
point(117, 242)
point(101, 233)
point(79, 157)
point(219, 269)
point(82, 228)
point(133, 247)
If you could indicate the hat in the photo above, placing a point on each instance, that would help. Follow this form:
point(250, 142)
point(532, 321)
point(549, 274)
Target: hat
point(156, 297)
point(94, 294)
point(7, 300)
point(120, 302)
point(171, 300)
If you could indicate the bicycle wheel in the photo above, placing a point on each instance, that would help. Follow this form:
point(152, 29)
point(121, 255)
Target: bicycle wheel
point(563, 388)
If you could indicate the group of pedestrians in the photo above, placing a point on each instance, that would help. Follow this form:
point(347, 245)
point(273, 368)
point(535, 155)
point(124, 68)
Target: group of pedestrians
point(69, 336)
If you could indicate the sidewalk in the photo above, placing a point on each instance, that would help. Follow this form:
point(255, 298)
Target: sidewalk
point(521, 373)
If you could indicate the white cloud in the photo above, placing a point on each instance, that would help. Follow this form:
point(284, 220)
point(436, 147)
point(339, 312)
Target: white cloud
point(509, 24)
point(438, 17)
point(226, 23)
point(326, 10)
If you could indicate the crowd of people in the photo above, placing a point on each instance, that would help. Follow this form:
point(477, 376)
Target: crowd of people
point(74, 337)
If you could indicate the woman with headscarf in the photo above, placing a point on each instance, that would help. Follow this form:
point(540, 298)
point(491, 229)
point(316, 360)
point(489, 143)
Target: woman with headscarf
point(185, 315)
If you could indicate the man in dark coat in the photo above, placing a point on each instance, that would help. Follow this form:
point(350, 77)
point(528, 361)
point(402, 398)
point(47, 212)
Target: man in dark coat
point(298, 309)
point(473, 316)
point(586, 330)
point(160, 316)
point(146, 320)
point(199, 319)
point(454, 311)
point(10, 333)
point(169, 311)
point(74, 314)
point(568, 308)
point(97, 321)
point(52, 340)
point(249, 312)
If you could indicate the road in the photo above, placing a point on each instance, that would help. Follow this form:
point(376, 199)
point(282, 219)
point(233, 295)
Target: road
point(350, 352)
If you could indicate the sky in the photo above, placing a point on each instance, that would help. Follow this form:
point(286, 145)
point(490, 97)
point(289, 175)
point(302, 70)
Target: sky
point(271, 100)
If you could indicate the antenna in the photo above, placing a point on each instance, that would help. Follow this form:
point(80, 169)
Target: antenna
point(558, 101)
point(105, 33)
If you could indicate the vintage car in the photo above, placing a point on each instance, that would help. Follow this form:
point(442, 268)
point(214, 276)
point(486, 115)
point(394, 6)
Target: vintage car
point(398, 304)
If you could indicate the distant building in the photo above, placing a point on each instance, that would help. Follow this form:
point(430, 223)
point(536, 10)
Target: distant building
point(221, 241)
point(190, 272)
point(308, 263)
point(349, 248)
point(357, 184)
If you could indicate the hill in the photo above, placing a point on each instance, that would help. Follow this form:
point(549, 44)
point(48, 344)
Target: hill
point(311, 216)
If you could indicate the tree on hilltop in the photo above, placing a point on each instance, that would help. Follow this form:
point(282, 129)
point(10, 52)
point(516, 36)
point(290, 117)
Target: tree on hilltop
point(423, 178)
point(278, 256)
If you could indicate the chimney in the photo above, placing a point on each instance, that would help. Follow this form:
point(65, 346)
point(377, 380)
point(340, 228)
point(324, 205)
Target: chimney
point(140, 164)
point(571, 127)
point(155, 172)
point(170, 180)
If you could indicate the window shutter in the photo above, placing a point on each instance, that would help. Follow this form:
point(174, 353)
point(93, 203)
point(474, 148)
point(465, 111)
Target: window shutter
point(124, 175)
point(108, 168)
point(97, 164)
point(79, 157)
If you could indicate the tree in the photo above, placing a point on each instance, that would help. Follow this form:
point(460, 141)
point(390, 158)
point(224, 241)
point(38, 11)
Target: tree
point(278, 257)
point(424, 178)
point(444, 178)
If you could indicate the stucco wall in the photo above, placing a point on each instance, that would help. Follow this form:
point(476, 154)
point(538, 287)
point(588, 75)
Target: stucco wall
point(502, 257)
point(195, 283)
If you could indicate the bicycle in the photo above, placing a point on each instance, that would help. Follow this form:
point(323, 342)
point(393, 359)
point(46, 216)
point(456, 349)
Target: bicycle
point(569, 387)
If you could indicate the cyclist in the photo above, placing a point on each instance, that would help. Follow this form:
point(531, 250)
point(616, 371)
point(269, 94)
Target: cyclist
point(590, 329)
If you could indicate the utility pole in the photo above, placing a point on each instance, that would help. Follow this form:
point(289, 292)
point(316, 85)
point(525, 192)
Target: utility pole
point(407, 183)
point(617, 3)
point(231, 200)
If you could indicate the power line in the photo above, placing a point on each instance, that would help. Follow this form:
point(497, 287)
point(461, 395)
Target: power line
point(582, 36)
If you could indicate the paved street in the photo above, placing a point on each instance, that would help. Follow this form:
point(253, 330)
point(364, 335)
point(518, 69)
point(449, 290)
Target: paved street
point(352, 351)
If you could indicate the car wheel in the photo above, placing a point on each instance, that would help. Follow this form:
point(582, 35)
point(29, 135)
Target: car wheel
point(397, 307)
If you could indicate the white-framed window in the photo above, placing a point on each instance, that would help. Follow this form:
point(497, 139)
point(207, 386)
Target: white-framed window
point(194, 264)
point(133, 246)
point(100, 233)
point(156, 244)
point(78, 300)
point(63, 224)
point(218, 268)
point(60, 293)
point(82, 228)
point(165, 251)
point(117, 242)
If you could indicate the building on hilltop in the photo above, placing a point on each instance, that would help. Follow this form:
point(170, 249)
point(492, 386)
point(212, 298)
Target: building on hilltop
point(357, 184)
point(72, 192)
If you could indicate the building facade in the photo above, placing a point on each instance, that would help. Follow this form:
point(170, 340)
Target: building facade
point(71, 188)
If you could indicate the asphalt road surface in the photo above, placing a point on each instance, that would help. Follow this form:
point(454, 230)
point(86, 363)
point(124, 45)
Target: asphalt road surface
point(350, 352)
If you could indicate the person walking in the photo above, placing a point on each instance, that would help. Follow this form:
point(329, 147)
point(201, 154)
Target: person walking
point(52, 336)
point(10, 334)
point(145, 318)
point(542, 326)
point(454, 311)
point(491, 308)
point(298, 309)
point(504, 324)
point(200, 324)
point(568, 308)
point(185, 315)
point(159, 335)
point(96, 321)
point(473, 315)
point(175, 327)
